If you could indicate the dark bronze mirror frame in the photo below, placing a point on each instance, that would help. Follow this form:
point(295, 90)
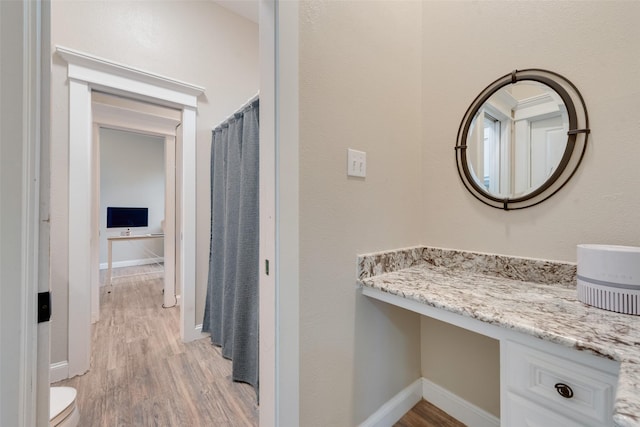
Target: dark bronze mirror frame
point(574, 152)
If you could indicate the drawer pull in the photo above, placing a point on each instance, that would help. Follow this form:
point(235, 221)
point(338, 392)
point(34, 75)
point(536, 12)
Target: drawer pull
point(564, 390)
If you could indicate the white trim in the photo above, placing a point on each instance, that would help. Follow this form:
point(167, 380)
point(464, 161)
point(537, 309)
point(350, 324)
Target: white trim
point(80, 188)
point(20, 144)
point(169, 228)
point(452, 318)
point(87, 72)
point(187, 228)
point(132, 262)
point(58, 371)
point(457, 407)
point(113, 75)
point(267, 301)
point(95, 224)
point(287, 217)
point(30, 186)
point(114, 117)
point(197, 331)
point(395, 408)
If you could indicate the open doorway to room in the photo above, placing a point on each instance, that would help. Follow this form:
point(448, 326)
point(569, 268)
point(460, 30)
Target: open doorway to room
point(88, 75)
point(134, 194)
point(132, 208)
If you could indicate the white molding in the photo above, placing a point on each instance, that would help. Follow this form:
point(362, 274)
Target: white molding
point(58, 371)
point(197, 332)
point(267, 283)
point(21, 109)
point(187, 226)
point(132, 262)
point(95, 224)
point(103, 72)
point(169, 227)
point(114, 117)
point(80, 189)
point(457, 407)
point(395, 408)
point(282, 304)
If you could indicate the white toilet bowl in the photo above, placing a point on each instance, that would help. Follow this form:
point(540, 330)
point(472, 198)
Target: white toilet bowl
point(62, 407)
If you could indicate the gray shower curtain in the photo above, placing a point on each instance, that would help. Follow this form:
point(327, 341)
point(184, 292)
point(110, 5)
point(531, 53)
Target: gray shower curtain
point(231, 307)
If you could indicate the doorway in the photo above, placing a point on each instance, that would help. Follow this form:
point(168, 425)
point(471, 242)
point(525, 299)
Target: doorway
point(87, 73)
point(155, 127)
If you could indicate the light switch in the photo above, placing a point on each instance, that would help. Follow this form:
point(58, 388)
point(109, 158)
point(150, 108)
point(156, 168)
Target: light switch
point(356, 163)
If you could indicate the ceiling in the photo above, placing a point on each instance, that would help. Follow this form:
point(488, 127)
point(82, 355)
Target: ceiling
point(247, 8)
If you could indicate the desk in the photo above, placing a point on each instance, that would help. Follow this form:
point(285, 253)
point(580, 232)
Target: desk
point(519, 300)
point(110, 241)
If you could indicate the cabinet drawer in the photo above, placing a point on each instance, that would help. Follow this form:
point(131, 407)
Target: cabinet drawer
point(524, 413)
point(564, 386)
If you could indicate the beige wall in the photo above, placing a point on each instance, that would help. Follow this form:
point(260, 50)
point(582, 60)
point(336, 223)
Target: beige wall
point(360, 88)
point(466, 45)
point(468, 365)
point(193, 41)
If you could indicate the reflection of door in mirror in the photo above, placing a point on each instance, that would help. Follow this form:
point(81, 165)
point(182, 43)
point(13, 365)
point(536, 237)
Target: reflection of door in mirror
point(541, 133)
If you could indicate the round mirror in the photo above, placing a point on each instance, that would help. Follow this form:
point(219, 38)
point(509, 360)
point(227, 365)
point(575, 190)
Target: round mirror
point(522, 139)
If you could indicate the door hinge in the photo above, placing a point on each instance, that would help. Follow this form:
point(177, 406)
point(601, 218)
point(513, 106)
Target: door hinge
point(44, 307)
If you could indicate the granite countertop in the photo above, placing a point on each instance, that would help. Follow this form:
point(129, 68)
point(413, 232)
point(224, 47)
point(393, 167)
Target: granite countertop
point(534, 297)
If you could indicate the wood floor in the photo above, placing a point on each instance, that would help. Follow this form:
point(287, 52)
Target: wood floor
point(143, 375)
point(424, 414)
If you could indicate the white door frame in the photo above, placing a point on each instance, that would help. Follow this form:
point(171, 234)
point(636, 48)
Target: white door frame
point(279, 215)
point(23, 256)
point(133, 119)
point(86, 73)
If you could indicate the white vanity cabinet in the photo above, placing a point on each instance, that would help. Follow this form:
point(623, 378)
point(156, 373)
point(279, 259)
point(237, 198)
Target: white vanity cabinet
point(557, 366)
point(548, 385)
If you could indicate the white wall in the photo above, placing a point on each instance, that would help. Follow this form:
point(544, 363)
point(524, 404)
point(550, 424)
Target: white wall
point(194, 41)
point(131, 175)
point(467, 45)
point(360, 80)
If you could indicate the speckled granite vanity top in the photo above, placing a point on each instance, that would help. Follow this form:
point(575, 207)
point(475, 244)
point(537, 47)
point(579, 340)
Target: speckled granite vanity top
point(530, 296)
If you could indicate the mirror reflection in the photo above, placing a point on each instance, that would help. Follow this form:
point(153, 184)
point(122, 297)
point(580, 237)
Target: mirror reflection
point(517, 139)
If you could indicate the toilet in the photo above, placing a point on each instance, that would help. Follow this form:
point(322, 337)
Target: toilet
point(62, 407)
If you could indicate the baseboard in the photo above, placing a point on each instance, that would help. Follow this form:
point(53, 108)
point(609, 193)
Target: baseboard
point(396, 407)
point(132, 262)
point(58, 371)
point(454, 405)
point(195, 334)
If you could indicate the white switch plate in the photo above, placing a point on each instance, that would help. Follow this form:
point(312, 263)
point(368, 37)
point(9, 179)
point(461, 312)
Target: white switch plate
point(356, 163)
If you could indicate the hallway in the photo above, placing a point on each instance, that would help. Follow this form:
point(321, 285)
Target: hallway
point(143, 375)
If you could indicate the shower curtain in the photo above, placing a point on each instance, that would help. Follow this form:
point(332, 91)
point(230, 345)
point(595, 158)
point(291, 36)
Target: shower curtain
point(231, 307)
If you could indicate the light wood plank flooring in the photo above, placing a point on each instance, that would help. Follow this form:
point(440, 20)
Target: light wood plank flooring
point(143, 375)
point(424, 414)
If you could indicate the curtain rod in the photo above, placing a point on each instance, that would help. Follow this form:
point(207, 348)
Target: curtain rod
point(245, 105)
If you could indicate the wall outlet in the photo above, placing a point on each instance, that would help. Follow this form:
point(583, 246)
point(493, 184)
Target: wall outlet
point(356, 163)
